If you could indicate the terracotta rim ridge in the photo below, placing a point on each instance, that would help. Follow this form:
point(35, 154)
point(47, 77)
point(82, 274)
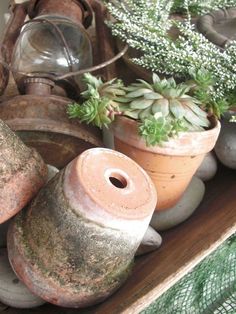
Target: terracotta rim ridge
point(186, 144)
point(101, 199)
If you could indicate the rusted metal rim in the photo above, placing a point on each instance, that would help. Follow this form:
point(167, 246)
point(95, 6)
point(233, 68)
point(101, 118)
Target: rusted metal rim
point(48, 125)
point(85, 7)
point(219, 26)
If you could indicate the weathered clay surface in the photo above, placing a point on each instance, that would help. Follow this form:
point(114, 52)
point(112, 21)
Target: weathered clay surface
point(22, 173)
point(52, 171)
point(226, 145)
point(208, 167)
point(170, 166)
point(188, 203)
point(151, 241)
point(75, 245)
point(12, 291)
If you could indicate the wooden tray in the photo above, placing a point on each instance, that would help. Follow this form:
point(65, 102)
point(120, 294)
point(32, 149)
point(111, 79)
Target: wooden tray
point(183, 248)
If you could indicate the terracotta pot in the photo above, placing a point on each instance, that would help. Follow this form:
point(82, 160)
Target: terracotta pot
point(75, 244)
point(170, 166)
point(22, 173)
point(42, 123)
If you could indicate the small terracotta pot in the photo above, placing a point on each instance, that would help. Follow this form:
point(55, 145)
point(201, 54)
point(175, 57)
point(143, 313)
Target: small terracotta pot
point(170, 166)
point(75, 244)
point(22, 173)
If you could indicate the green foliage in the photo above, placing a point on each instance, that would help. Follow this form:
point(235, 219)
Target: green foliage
point(156, 130)
point(167, 98)
point(196, 7)
point(162, 108)
point(145, 25)
point(94, 111)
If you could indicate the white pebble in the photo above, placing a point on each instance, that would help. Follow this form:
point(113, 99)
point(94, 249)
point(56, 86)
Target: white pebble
point(12, 291)
point(52, 171)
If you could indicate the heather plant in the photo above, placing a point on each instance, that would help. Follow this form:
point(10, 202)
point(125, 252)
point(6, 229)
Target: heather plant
point(145, 25)
point(196, 7)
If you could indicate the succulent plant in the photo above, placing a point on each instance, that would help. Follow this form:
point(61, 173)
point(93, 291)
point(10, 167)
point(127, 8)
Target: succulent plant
point(97, 88)
point(101, 104)
point(167, 98)
point(162, 108)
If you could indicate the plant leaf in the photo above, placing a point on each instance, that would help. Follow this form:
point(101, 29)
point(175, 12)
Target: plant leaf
point(153, 95)
point(161, 105)
point(138, 93)
point(141, 103)
point(191, 117)
point(176, 108)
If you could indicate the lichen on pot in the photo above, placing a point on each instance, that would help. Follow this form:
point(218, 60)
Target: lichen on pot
point(75, 244)
point(22, 173)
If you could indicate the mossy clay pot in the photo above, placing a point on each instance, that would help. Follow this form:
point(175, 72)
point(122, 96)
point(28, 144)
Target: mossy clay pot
point(170, 166)
point(74, 246)
point(52, 171)
point(22, 173)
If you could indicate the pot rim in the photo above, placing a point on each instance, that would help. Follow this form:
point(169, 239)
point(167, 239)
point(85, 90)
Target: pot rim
point(186, 144)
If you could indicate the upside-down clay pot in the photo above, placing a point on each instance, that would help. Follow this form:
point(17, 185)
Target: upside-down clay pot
point(170, 166)
point(22, 173)
point(75, 244)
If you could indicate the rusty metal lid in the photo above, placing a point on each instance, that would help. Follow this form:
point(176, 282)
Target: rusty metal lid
point(219, 26)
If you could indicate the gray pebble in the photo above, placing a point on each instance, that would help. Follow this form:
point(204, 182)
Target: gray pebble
point(188, 203)
point(208, 167)
point(226, 144)
point(151, 241)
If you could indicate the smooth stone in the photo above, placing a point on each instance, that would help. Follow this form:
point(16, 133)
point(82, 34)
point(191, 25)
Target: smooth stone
point(12, 291)
point(226, 145)
point(3, 234)
point(52, 171)
point(151, 241)
point(190, 200)
point(208, 167)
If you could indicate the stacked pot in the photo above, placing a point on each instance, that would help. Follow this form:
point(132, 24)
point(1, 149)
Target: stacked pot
point(74, 244)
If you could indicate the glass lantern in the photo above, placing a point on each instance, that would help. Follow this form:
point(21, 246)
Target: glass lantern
point(50, 46)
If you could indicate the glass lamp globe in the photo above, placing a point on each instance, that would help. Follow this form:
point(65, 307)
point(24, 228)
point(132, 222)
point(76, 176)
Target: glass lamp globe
point(51, 46)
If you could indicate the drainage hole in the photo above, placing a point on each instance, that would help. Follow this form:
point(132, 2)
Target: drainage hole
point(118, 181)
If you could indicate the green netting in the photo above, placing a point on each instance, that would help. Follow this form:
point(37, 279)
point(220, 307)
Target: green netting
point(209, 289)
